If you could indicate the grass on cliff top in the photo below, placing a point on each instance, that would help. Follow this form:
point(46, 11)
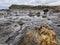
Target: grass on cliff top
point(32, 7)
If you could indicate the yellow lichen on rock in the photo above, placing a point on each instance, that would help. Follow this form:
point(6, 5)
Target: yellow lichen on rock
point(48, 36)
point(42, 35)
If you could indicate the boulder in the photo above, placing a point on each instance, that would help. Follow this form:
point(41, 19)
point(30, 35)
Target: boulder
point(40, 35)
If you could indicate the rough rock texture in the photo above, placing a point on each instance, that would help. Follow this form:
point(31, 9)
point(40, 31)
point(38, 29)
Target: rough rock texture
point(41, 35)
point(8, 32)
point(26, 31)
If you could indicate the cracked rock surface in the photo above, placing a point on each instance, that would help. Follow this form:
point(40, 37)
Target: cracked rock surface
point(13, 31)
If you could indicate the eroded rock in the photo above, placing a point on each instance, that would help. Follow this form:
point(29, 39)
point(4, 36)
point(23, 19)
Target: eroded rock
point(41, 35)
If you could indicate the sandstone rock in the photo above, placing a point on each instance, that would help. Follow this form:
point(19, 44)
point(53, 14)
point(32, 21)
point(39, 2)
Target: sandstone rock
point(42, 35)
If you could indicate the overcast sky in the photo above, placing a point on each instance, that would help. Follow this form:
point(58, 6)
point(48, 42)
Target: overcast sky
point(6, 3)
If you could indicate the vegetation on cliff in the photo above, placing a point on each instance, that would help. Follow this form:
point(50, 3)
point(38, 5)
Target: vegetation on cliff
point(32, 7)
